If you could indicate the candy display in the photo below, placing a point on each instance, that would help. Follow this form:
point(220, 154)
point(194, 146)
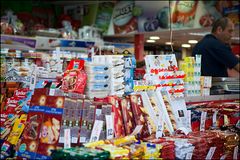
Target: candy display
point(76, 97)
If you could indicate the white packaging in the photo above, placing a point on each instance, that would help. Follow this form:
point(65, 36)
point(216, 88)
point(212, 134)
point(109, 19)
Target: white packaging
point(205, 91)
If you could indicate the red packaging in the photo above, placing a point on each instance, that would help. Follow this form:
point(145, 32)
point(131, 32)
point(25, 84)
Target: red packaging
point(127, 115)
point(21, 93)
point(55, 101)
point(118, 119)
point(74, 81)
point(30, 141)
point(50, 130)
point(38, 100)
point(140, 117)
point(12, 105)
point(75, 64)
point(41, 91)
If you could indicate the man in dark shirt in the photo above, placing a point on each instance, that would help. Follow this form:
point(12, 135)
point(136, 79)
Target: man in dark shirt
point(217, 56)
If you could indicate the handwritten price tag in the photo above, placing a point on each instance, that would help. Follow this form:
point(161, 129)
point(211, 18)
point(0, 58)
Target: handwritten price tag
point(137, 129)
point(210, 153)
point(203, 120)
point(110, 128)
point(97, 128)
point(214, 119)
point(67, 138)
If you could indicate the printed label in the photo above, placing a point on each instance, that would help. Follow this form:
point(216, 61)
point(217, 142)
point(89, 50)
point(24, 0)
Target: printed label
point(223, 157)
point(137, 130)
point(109, 125)
point(67, 138)
point(159, 130)
point(226, 120)
point(235, 153)
point(210, 153)
point(189, 119)
point(97, 128)
point(203, 120)
point(51, 92)
point(214, 119)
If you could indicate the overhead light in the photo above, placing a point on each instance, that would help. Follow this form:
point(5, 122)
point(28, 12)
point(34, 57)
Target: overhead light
point(192, 41)
point(169, 43)
point(151, 41)
point(186, 45)
point(199, 33)
point(154, 37)
point(235, 38)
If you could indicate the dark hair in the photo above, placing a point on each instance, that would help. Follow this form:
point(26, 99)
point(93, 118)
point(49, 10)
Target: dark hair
point(222, 22)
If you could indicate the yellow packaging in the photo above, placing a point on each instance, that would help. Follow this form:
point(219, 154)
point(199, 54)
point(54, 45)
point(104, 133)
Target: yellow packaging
point(124, 140)
point(17, 129)
point(94, 144)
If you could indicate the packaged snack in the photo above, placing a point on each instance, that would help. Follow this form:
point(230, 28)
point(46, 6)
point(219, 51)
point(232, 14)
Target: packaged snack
point(30, 141)
point(124, 141)
point(74, 81)
point(115, 152)
point(17, 129)
point(127, 115)
point(139, 114)
point(118, 119)
point(50, 130)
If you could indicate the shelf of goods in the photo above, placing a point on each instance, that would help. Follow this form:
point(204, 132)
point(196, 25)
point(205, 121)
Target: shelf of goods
point(47, 122)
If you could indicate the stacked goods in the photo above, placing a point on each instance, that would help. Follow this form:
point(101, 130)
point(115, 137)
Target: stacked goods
point(116, 63)
point(162, 71)
point(192, 68)
point(71, 119)
point(129, 67)
point(231, 143)
point(43, 125)
point(206, 84)
point(217, 114)
point(98, 79)
point(204, 142)
point(15, 108)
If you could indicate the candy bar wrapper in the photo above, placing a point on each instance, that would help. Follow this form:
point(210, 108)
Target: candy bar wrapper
point(140, 117)
point(17, 129)
point(83, 123)
point(127, 115)
point(55, 101)
point(152, 119)
point(88, 116)
point(30, 141)
point(118, 118)
point(12, 105)
point(38, 99)
point(170, 112)
point(21, 93)
point(50, 129)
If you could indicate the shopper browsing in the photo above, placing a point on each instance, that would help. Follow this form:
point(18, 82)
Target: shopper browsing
point(216, 53)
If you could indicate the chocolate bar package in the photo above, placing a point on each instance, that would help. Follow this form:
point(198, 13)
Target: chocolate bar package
point(140, 117)
point(127, 113)
point(50, 128)
point(30, 139)
point(118, 119)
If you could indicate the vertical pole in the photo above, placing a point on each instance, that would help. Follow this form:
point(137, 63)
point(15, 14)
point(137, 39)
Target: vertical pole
point(139, 47)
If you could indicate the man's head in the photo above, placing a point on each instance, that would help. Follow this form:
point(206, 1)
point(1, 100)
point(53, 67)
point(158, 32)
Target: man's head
point(223, 29)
